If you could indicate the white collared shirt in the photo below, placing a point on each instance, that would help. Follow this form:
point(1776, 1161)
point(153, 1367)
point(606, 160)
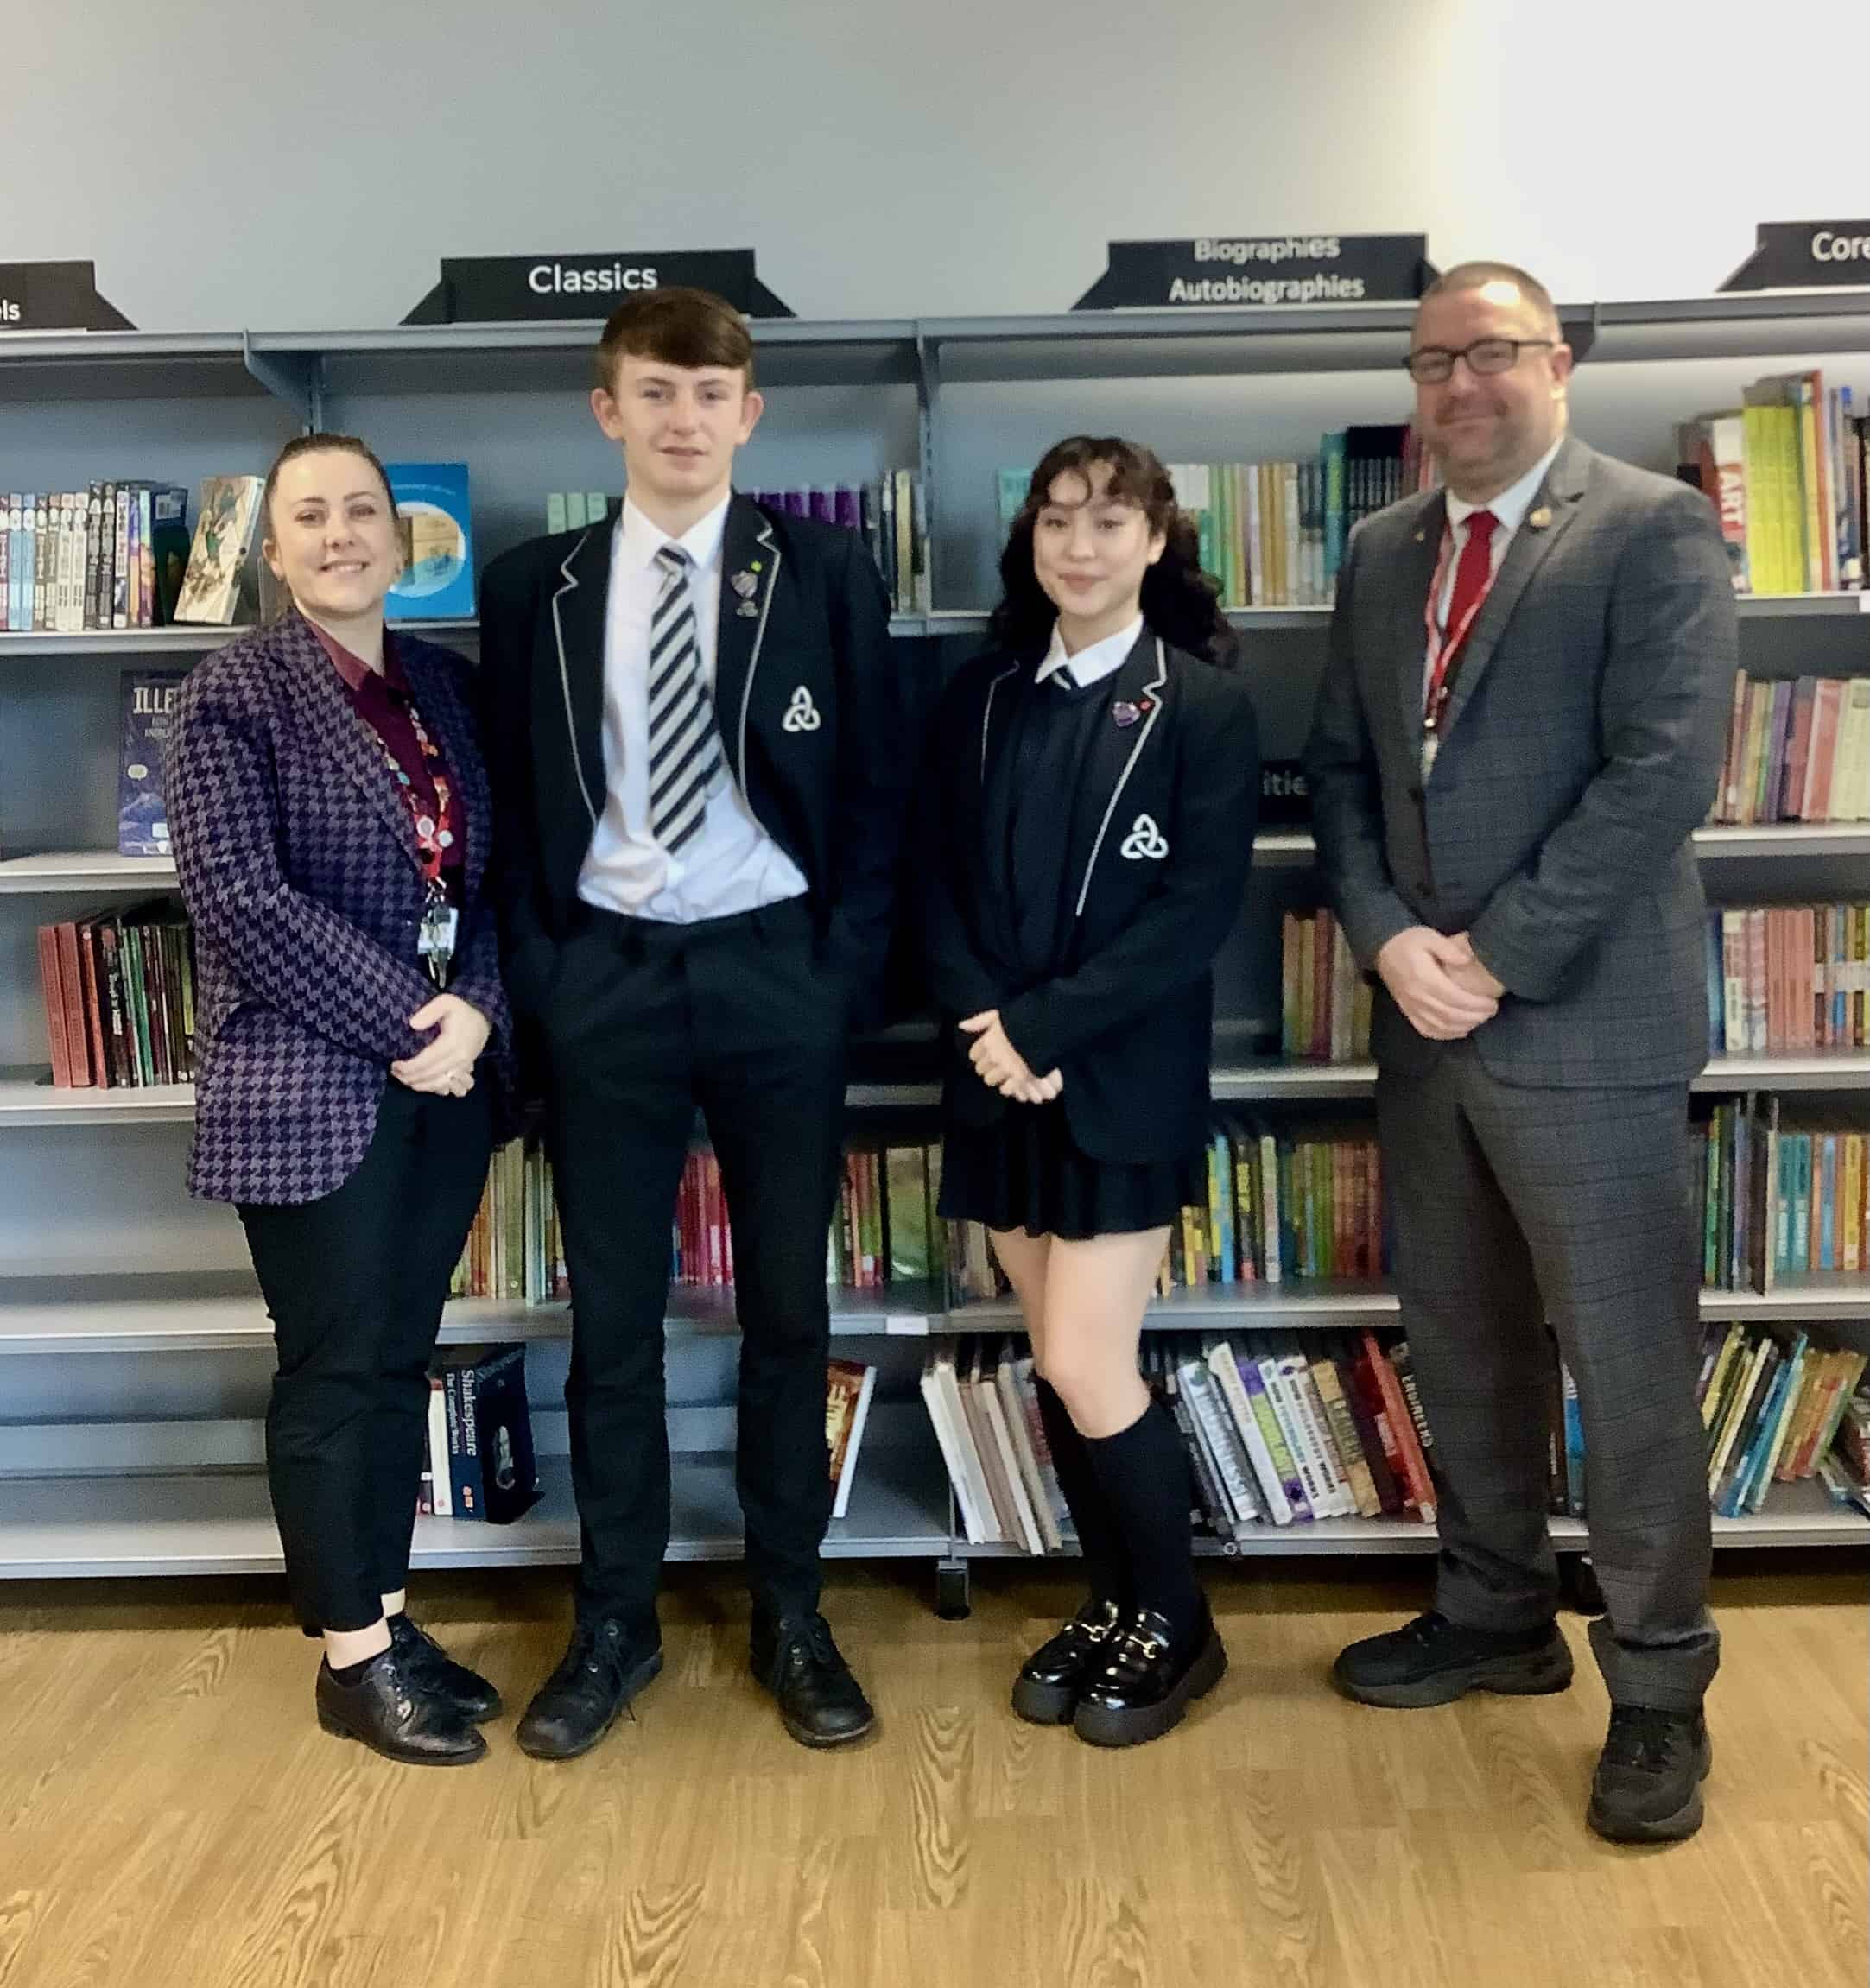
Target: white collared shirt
point(1090, 665)
point(732, 864)
point(1509, 509)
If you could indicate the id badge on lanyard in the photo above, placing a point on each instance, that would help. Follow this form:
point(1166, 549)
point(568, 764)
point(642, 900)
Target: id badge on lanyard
point(1444, 648)
point(434, 937)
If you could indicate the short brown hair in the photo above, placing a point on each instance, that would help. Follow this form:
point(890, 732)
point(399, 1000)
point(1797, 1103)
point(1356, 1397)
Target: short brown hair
point(1477, 276)
point(681, 327)
point(317, 444)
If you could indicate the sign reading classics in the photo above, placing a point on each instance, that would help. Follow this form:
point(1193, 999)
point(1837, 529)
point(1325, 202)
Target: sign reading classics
point(1279, 269)
point(1805, 255)
point(507, 289)
point(55, 297)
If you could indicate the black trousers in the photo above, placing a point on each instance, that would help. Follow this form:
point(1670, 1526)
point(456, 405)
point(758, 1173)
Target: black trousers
point(643, 1023)
point(356, 1283)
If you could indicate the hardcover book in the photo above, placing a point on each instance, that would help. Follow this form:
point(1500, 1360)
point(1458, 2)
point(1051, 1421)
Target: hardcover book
point(438, 548)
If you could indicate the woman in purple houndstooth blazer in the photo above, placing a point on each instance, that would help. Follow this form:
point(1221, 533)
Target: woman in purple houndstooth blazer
point(329, 814)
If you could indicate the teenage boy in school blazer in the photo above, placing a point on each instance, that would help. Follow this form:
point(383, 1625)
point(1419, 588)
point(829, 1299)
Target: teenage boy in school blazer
point(694, 733)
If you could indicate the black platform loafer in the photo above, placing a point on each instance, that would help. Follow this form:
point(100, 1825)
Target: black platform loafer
point(1648, 1784)
point(1148, 1680)
point(396, 1716)
point(820, 1701)
point(1432, 1661)
point(604, 1665)
point(1047, 1690)
point(429, 1664)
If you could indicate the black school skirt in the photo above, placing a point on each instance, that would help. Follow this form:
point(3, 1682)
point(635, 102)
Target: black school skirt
point(1026, 1173)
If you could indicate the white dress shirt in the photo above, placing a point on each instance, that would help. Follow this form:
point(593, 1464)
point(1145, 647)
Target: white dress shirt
point(731, 865)
point(1509, 509)
point(1090, 665)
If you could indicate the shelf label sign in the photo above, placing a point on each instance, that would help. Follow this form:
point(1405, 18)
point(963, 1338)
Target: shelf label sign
point(1285, 800)
point(513, 290)
point(55, 297)
point(1283, 270)
point(1806, 255)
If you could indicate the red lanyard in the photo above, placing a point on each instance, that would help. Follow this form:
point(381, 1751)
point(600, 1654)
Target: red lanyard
point(1444, 650)
point(434, 833)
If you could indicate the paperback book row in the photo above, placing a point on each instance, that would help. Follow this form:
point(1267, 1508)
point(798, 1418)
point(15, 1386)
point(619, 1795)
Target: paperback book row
point(120, 999)
point(1276, 1434)
point(1779, 1202)
point(1789, 977)
point(1773, 1402)
point(1786, 472)
point(1325, 996)
point(1797, 750)
point(111, 556)
point(1273, 534)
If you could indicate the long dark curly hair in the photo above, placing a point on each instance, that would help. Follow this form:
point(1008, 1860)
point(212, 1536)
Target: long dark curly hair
point(1180, 602)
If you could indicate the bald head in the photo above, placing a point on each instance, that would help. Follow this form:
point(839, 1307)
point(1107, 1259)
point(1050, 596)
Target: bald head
point(1506, 283)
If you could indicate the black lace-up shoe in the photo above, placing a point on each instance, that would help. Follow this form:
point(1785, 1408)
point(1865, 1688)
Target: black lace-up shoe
point(604, 1667)
point(429, 1664)
point(1648, 1784)
point(1148, 1679)
point(1047, 1690)
point(1432, 1661)
point(820, 1702)
point(397, 1717)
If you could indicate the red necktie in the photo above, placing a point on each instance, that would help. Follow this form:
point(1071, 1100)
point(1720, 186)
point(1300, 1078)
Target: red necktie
point(1474, 575)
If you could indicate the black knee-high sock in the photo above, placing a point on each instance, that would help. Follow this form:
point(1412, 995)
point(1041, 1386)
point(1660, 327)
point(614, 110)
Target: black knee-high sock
point(1143, 1471)
point(1105, 1563)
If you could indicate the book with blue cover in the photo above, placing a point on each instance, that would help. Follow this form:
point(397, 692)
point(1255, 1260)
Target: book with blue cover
point(437, 583)
point(142, 814)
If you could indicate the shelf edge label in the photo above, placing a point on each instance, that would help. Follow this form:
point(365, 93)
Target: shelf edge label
point(1285, 271)
point(508, 289)
point(55, 297)
point(1806, 255)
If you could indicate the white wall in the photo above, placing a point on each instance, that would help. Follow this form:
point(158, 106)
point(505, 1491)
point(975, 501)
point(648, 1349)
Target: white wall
point(288, 168)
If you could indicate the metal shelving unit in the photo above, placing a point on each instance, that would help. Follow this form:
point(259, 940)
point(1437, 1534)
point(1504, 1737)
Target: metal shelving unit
point(164, 1523)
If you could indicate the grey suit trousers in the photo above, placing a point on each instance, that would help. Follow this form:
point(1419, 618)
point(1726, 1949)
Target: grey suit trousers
point(1512, 1207)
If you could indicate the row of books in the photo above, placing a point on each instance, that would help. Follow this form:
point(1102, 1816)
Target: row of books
point(119, 1000)
point(890, 515)
point(1799, 750)
point(1325, 996)
point(109, 556)
point(1772, 1402)
point(1786, 472)
point(1845, 1469)
point(1275, 1434)
point(1789, 977)
point(515, 1252)
point(479, 1460)
point(1780, 1201)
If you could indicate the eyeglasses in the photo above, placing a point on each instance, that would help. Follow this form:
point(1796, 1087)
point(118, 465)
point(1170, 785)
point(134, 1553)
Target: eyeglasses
point(1430, 364)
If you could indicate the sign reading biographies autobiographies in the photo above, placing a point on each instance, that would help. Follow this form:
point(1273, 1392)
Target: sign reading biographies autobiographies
point(1262, 269)
point(1805, 255)
point(55, 297)
point(511, 289)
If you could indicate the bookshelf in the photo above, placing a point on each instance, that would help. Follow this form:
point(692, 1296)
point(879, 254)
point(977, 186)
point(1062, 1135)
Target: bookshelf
point(124, 1310)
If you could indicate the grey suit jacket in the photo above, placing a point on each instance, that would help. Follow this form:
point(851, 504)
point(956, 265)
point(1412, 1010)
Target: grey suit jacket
point(1582, 745)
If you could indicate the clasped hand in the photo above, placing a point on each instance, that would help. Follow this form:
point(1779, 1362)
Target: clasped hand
point(1001, 1067)
point(445, 1067)
point(1438, 983)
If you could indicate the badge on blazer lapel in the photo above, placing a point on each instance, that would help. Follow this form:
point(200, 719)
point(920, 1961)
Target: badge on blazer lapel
point(1145, 843)
point(1124, 712)
point(746, 586)
point(1540, 518)
point(801, 714)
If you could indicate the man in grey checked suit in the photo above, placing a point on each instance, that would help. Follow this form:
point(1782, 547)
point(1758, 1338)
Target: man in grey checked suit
point(1504, 817)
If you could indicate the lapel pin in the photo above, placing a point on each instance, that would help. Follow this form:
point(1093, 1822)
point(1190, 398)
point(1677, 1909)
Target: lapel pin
point(757, 567)
point(748, 610)
point(1124, 712)
point(1421, 537)
point(1540, 518)
point(745, 585)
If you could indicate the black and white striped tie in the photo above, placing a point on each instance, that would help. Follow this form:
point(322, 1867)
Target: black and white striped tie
point(684, 746)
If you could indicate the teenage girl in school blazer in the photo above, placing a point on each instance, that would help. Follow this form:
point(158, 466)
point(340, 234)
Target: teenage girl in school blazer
point(1093, 781)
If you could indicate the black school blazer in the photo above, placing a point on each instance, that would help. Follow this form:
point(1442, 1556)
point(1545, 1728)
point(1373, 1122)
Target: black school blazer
point(1162, 841)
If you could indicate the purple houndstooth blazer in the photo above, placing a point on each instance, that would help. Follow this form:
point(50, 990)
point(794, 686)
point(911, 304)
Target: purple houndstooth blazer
point(299, 867)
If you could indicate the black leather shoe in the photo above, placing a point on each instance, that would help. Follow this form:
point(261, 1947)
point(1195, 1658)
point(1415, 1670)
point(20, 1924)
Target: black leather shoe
point(1648, 1784)
point(429, 1664)
point(1148, 1679)
point(604, 1667)
point(1432, 1661)
point(400, 1718)
point(820, 1702)
point(1046, 1691)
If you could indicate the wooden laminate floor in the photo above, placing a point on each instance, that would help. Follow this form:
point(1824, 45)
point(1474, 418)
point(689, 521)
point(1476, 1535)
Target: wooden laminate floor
point(170, 1817)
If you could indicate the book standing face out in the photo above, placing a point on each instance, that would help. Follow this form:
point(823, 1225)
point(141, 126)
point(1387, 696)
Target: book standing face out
point(221, 586)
